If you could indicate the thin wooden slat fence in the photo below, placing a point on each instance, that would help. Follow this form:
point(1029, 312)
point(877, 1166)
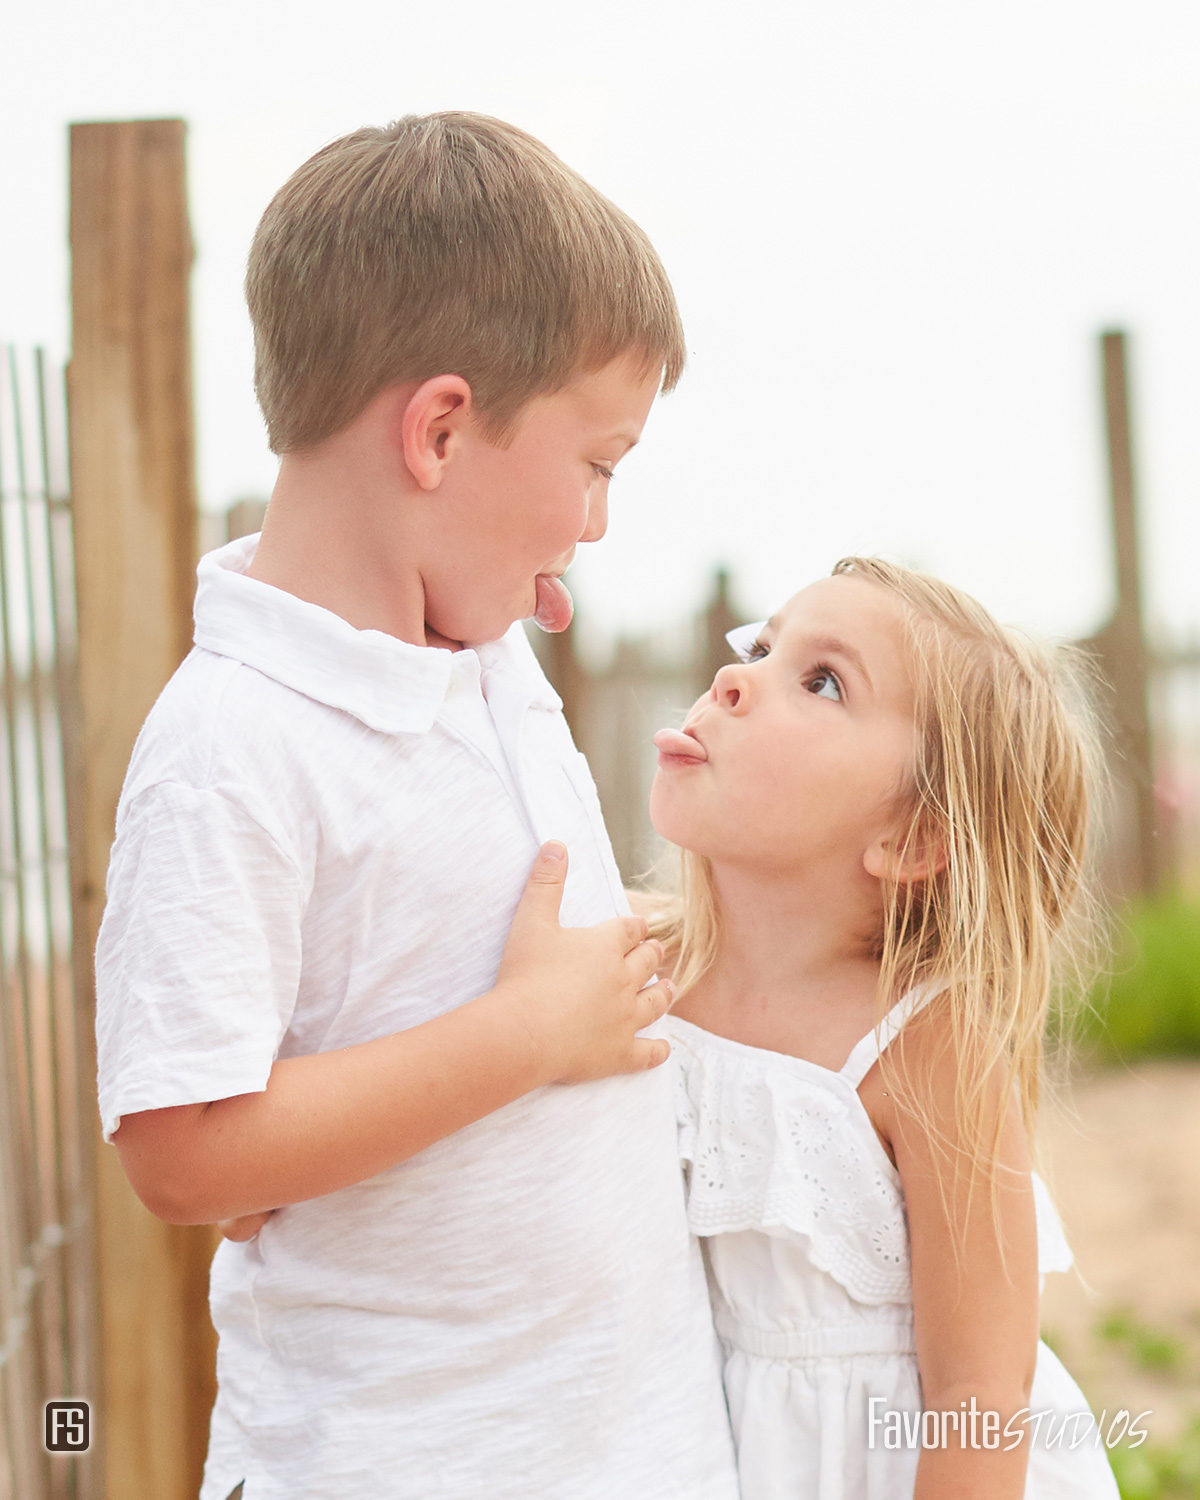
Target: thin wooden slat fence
point(47, 1320)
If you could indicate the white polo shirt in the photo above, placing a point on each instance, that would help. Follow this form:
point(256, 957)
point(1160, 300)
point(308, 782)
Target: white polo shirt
point(322, 839)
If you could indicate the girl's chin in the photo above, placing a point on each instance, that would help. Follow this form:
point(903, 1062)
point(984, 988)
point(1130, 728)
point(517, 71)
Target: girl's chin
point(670, 821)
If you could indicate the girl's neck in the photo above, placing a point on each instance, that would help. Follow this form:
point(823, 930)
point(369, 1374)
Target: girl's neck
point(794, 972)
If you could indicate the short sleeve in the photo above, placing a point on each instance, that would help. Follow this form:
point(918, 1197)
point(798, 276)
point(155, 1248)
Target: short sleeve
point(198, 958)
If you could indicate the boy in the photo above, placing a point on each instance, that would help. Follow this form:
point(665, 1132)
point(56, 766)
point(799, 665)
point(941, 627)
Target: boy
point(484, 1284)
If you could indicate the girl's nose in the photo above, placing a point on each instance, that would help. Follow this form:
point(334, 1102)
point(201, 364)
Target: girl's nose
point(729, 687)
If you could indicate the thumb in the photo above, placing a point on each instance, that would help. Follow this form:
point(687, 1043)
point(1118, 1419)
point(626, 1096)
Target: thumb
point(544, 888)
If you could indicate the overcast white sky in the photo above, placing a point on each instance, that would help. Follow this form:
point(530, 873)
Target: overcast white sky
point(895, 231)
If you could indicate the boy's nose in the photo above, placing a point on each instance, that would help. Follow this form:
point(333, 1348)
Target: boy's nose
point(597, 521)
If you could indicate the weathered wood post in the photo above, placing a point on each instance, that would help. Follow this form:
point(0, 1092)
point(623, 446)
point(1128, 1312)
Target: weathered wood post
point(718, 617)
point(1123, 641)
point(135, 536)
point(566, 675)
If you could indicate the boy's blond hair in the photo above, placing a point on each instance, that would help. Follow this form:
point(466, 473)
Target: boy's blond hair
point(445, 244)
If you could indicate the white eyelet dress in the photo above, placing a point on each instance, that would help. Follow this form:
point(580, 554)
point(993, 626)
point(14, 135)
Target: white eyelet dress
point(802, 1218)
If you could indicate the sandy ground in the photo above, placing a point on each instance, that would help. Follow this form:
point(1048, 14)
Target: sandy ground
point(1123, 1161)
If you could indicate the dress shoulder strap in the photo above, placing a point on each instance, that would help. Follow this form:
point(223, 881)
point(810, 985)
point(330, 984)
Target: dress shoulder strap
point(865, 1054)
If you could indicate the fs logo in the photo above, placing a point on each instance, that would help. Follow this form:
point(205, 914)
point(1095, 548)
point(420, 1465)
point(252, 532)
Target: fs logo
point(68, 1426)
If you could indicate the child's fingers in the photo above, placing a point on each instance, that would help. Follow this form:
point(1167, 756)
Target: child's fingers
point(645, 960)
point(655, 1001)
point(649, 1053)
point(544, 886)
point(629, 931)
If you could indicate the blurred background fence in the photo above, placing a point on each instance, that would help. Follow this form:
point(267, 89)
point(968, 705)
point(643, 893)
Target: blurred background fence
point(1150, 700)
point(1175, 724)
point(47, 1322)
point(616, 697)
point(616, 703)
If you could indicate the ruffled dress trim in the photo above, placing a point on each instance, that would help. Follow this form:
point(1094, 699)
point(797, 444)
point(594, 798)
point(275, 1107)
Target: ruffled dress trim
point(778, 1144)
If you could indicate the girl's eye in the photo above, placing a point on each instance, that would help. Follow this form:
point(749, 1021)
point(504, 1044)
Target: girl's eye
point(823, 684)
point(758, 651)
point(602, 471)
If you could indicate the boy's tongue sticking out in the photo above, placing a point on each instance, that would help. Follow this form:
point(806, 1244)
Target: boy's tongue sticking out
point(554, 605)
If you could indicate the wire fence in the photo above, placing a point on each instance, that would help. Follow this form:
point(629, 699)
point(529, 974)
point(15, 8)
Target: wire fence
point(47, 1323)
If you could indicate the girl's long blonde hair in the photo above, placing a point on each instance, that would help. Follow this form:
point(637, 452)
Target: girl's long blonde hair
point(1007, 777)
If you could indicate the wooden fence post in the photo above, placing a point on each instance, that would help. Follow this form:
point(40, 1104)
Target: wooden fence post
point(565, 674)
point(715, 651)
point(135, 539)
point(1123, 642)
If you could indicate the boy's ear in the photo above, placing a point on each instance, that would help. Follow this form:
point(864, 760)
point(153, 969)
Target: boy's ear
point(886, 859)
point(431, 427)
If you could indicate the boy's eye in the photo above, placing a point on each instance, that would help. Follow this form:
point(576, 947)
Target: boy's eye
point(602, 471)
point(823, 684)
point(757, 651)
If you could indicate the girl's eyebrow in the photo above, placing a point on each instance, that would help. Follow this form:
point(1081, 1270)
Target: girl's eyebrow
point(834, 646)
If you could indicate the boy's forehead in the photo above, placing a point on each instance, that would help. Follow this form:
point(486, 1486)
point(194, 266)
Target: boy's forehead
point(615, 399)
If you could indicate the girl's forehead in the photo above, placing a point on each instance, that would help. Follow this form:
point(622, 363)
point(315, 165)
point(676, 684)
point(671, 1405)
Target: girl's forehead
point(851, 604)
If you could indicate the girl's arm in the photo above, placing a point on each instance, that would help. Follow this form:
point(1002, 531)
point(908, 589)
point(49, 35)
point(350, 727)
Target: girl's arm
point(975, 1280)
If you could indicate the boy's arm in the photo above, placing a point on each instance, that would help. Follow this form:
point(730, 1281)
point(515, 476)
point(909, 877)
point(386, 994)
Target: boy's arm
point(566, 1006)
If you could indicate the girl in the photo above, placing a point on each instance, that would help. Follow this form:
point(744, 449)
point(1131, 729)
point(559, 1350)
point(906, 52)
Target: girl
point(884, 810)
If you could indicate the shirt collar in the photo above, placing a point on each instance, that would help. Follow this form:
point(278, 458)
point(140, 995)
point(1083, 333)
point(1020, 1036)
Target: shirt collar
point(387, 683)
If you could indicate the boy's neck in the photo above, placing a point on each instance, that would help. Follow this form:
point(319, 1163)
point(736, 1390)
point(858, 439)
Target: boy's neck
point(334, 536)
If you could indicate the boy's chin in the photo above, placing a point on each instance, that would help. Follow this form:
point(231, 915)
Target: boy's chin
point(473, 629)
point(545, 601)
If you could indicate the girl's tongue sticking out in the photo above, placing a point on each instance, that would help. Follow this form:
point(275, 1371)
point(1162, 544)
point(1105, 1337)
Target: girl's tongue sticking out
point(675, 745)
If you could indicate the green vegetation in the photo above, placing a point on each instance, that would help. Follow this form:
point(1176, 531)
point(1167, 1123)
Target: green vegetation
point(1154, 1470)
point(1151, 1005)
point(1148, 1348)
point(1160, 1471)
